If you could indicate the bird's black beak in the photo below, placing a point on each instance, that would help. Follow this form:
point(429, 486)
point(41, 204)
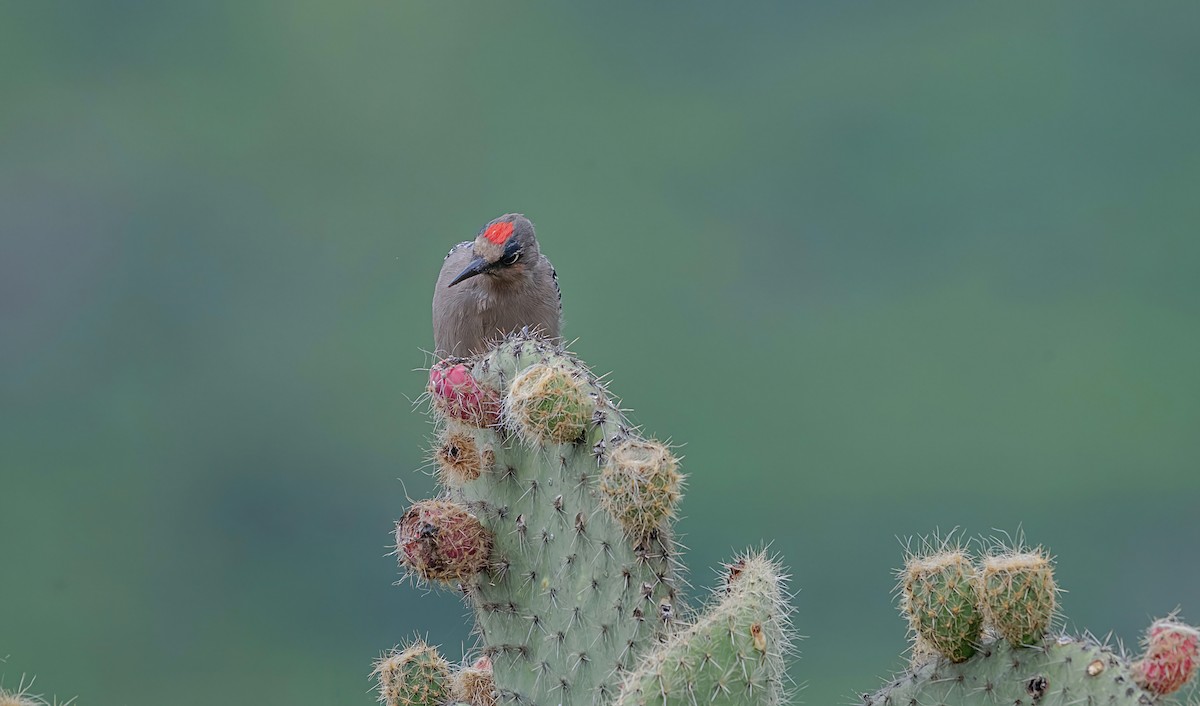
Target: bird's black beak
point(477, 267)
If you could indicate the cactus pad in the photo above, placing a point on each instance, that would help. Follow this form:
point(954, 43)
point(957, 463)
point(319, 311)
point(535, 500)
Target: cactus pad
point(1062, 671)
point(732, 655)
point(555, 524)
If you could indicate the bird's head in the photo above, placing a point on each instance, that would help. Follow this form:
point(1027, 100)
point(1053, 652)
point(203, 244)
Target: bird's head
point(504, 249)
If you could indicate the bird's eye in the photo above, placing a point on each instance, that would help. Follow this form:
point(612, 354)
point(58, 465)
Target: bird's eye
point(512, 259)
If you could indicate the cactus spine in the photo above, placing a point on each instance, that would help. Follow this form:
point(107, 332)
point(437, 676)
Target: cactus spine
point(555, 523)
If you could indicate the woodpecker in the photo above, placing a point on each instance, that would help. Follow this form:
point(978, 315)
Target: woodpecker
point(492, 286)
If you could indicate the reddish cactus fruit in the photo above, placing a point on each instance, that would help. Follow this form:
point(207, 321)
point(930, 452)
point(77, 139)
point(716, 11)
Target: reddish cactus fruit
point(1171, 657)
point(441, 541)
point(457, 395)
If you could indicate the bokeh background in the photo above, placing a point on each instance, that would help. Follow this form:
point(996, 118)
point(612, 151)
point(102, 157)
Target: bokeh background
point(881, 269)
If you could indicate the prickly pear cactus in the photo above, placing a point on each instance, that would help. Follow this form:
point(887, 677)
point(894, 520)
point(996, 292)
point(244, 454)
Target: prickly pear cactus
point(980, 638)
point(747, 626)
point(555, 523)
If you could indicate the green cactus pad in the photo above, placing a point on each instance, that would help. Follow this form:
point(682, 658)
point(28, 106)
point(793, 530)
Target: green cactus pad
point(1018, 595)
point(1062, 671)
point(570, 598)
point(939, 598)
point(415, 676)
point(732, 655)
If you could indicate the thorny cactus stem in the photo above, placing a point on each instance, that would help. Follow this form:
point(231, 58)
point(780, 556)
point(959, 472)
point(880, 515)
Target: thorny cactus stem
point(733, 654)
point(555, 522)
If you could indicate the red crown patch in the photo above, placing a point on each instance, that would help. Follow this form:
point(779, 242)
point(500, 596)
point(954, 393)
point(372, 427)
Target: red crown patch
point(499, 232)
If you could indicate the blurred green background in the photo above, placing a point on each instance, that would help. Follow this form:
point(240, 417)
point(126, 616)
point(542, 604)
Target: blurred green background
point(881, 269)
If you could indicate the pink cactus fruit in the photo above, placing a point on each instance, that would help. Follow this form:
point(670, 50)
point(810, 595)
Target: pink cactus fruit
point(1172, 652)
point(439, 540)
point(458, 395)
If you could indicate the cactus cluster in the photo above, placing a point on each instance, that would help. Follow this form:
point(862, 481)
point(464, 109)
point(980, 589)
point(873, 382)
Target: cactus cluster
point(554, 521)
point(980, 634)
point(948, 598)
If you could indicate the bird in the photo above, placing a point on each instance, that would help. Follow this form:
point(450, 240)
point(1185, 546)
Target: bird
point(494, 285)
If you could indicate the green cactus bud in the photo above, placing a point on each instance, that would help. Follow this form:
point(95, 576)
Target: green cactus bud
point(1018, 595)
point(640, 485)
point(415, 676)
point(441, 541)
point(548, 404)
point(732, 655)
point(938, 596)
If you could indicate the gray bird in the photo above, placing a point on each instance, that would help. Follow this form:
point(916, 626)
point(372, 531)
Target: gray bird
point(494, 285)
